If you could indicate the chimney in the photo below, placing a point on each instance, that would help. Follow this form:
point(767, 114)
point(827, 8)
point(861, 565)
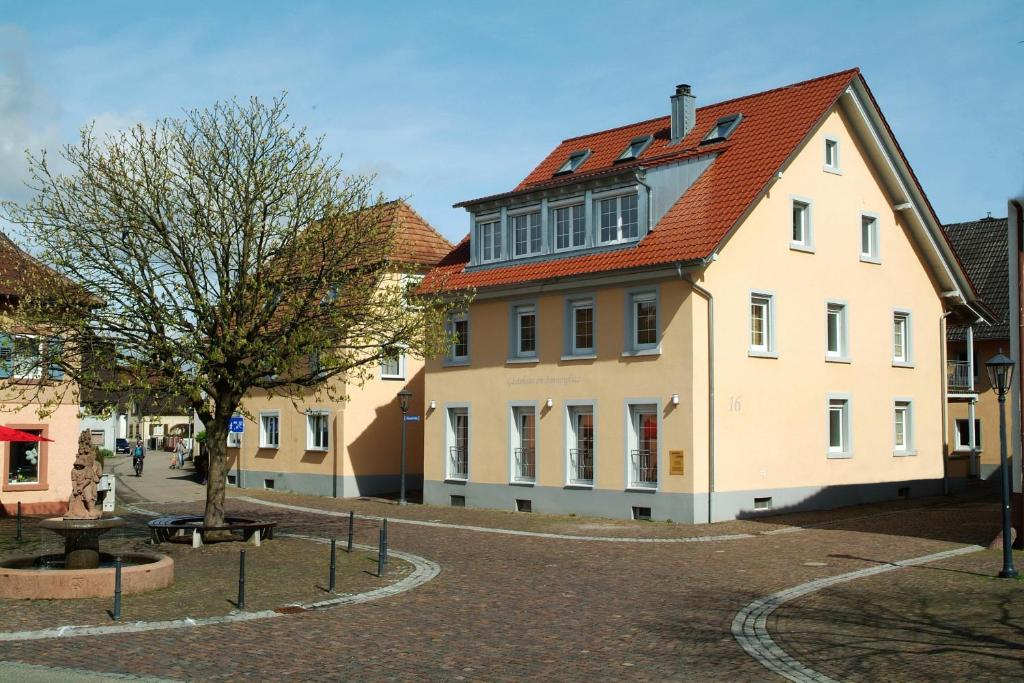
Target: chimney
point(684, 112)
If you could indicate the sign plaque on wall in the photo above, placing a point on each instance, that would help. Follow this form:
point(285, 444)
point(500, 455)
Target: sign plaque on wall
point(677, 462)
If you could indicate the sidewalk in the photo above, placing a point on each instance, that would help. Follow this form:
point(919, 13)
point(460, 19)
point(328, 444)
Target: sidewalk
point(158, 483)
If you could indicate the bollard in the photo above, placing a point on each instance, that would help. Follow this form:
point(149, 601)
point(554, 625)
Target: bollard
point(241, 580)
point(380, 553)
point(18, 525)
point(351, 528)
point(117, 588)
point(334, 564)
point(385, 540)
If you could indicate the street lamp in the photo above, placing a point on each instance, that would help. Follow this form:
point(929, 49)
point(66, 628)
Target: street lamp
point(403, 402)
point(1000, 372)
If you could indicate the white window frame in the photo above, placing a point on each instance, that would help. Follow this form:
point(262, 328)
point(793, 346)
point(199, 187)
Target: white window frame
point(400, 374)
point(871, 223)
point(844, 404)
point(634, 409)
point(491, 228)
point(833, 166)
point(572, 409)
point(806, 243)
point(452, 410)
point(633, 346)
point(517, 410)
point(906, 407)
point(842, 310)
point(904, 318)
point(451, 358)
point(312, 434)
point(962, 436)
point(767, 349)
point(526, 215)
point(572, 209)
point(617, 198)
point(35, 372)
point(264, 441)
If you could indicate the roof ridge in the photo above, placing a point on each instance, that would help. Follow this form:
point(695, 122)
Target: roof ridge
point(435, 231)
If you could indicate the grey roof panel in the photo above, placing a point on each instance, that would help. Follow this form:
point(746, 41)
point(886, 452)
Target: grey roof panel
point(981, 247)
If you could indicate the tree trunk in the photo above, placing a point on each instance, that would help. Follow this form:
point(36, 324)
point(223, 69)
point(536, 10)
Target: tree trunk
point(216, 477)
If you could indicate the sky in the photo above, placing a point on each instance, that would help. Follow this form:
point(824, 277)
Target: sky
point(447, 101)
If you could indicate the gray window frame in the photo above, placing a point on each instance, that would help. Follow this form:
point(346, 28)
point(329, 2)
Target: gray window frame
point(846, 426)
point(910, 446)
point(630, 345)
point(807, 245)
point(772, 350)
point(827, 167)
point(450, 358)
point(875, 258)
point(569, 349)
point(843, 353)
point(515, 310)
point(514, 409)
point(908, 338)
point(569, 443)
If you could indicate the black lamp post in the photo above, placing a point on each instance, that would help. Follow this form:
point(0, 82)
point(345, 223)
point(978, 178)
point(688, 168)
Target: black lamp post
point(1000, 373)
point(403, 402)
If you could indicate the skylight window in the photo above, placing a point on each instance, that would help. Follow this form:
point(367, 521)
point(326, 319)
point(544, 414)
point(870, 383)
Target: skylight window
point(573, 162)
point(636, 148)
point(723, 128)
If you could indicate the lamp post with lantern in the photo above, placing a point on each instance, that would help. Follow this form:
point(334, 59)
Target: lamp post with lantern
point(1000, 373)
point(403, 402)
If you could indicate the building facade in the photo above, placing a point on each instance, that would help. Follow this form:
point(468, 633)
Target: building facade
point(728, 311)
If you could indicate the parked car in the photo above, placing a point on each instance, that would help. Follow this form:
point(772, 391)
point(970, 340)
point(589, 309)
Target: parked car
point(121, 446)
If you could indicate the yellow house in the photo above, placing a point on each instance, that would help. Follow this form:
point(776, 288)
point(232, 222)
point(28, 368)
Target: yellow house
point(973, 415)
point(35, 474)
point(731, 310)
point(343, 441)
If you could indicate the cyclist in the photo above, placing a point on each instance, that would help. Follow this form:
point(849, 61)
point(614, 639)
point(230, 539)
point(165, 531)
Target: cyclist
point(138, 456)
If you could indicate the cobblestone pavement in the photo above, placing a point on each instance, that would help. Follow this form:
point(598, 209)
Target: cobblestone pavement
point(514, 607)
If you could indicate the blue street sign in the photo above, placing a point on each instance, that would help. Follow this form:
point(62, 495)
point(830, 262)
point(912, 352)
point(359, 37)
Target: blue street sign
point(412, 418)
point(236, 425)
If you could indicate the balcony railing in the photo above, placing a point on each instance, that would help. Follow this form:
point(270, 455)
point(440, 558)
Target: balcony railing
point(645, 468)
point(526, 464)
point(958, 375)
point(458, 463)
point(582, 465)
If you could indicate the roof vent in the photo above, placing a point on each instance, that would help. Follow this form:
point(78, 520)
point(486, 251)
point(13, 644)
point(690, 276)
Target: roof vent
point(684, 112)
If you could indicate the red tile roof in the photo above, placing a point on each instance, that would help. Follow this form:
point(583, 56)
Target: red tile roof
point(18, 270)
point(774, 124)
point(416, 241)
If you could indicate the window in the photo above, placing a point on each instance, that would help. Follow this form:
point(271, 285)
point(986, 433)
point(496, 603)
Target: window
point(317, 430)
point(903, 426)
point(21, 356)
point(574, 161)
point(836, 331)
point(643, 446)
point(270, 430)
point(642, 322)
point(524, 319)
point(393, 367)
point(723, 128)
point(490, 240)
point(801, 236)
point(526, 233)
point(963, 435)
point(618, 218)
point(831, 155)
point(581, 445)
point(458, 443)
point(582, 326)
point(838, 427)
point(635, 148)
point(24, 463)
point(524, 443)
point(762, 324)
point(869, 239)
point(901, 338)
point(570, 227)
point(458, 331)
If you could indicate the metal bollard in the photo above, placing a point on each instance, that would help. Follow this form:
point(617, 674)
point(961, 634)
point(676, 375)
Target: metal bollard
point(17, 536)
point(117, 588)
point(241, 580)
point(385, 540)
point(334, 564)
point(381, 550)
point(351, 528)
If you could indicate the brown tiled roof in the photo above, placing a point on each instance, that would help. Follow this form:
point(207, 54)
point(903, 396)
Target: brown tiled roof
point(18, 268)
point(416, 241)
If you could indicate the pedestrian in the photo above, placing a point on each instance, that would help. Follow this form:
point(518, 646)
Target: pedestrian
point(180, 451)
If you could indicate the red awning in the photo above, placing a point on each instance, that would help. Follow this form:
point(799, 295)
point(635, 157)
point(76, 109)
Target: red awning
point(8, 434)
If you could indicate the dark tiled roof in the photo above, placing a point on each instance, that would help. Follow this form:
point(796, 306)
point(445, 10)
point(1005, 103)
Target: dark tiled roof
point(18, 269)
point(981, 247)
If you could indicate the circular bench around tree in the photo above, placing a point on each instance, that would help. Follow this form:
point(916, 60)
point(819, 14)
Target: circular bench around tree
point(164, 529)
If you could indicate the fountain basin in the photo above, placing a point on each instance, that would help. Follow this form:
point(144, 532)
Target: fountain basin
point(81, 538)
point(44, 577)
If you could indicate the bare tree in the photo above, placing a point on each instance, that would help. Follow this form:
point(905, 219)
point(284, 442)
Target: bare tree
point(210, 255)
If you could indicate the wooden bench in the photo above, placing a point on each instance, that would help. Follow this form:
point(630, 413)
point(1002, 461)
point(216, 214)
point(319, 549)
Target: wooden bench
point(163, 529)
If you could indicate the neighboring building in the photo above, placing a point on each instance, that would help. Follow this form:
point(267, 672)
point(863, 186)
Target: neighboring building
point(155, 421)
point(973, 406)
point(731, 310)
point(38, 475)
point(343, 447)
point(1015, 420)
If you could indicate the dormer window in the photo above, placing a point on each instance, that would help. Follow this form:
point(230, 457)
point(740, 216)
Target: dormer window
point(635, 148)
point(723, 128)
point(573, 162)
point(490, 237)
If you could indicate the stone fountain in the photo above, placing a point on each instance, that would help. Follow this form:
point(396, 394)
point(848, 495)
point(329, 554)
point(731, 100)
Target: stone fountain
point(82, 571)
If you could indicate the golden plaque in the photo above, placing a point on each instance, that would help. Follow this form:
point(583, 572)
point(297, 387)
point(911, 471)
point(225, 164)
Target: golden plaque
point(677, 462)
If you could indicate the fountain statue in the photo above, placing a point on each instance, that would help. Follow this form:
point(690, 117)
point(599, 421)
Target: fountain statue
point(85, 475)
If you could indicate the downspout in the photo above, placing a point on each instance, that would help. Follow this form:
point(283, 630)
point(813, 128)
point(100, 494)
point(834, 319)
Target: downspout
point(943, 365)
point(711, 380)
